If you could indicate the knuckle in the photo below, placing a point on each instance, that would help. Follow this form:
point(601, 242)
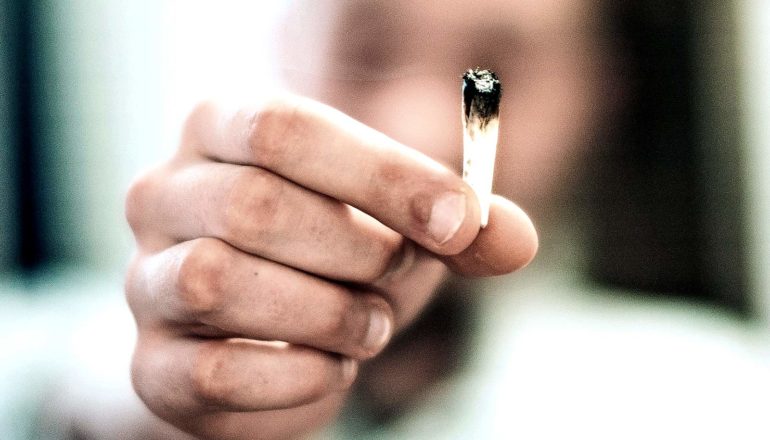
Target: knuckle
point(388, 179)
point(252, 206)
point(200, 276)
point(143, 374)
point(139, 197)
point(132, 283)
point(274, 127)
point(385, 254)
point(210, 381)
point(201, 114)
point(138, 375)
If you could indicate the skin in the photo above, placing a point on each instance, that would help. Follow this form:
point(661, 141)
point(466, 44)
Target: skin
point(289, 220)
point(554, 65)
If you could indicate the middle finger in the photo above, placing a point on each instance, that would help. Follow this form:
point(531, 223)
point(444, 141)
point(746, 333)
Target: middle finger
point(207, 288)
point(263, 214)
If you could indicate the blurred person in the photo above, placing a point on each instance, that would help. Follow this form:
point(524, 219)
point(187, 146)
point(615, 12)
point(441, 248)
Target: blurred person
point(328, 218)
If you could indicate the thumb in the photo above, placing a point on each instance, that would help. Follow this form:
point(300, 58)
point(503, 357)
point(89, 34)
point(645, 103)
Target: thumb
point(508, 243)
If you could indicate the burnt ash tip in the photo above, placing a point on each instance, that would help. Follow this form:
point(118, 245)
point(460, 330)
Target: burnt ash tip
point(481, 94)
point(482, 81)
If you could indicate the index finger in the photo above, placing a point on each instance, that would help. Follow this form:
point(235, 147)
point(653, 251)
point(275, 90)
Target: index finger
point(328, 152)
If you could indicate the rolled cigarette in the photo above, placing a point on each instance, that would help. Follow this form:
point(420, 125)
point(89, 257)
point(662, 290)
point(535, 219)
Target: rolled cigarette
point(481, 123)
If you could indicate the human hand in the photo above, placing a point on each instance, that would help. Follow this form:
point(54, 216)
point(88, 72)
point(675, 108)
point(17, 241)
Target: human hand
point(290, 222)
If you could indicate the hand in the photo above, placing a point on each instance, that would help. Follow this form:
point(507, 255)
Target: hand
point(290, 222)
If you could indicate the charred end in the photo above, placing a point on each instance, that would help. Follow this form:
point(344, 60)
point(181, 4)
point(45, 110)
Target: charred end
point(481, 95)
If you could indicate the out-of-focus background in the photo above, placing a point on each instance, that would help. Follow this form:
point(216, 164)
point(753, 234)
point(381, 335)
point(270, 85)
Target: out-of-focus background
point(92, 92)
point(675, 257)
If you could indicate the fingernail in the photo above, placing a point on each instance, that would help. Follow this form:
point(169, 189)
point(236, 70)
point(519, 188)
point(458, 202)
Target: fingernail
point(379, 331)
point(446, 216)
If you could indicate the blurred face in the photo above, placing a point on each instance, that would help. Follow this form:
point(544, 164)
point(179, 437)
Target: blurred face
point(396, 66)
